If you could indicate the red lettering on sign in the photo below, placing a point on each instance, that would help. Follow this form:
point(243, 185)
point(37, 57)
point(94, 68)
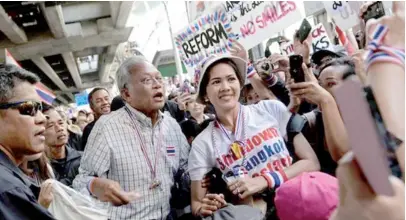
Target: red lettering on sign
point(260, 22)
point(317, 32)
point(248, 29)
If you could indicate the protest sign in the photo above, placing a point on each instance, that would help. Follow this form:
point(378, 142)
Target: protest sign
point(287, 48)
point(256, 21)
point(344, 13)
point(210, 34)
point(248, 22)
point(320, 39)
point(81, 98)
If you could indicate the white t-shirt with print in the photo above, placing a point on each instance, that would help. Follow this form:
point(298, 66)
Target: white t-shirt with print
point(265, 149)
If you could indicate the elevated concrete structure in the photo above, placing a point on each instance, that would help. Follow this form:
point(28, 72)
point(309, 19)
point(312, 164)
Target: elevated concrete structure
point(70, 45)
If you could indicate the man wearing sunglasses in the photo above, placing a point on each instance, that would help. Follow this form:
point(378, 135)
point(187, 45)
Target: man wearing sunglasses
point(22, 126)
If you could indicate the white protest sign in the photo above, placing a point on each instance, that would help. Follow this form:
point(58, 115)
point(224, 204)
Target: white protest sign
point(258, 20)
point(320, 39)
point(248, 22)
point(344, 13)
point(209, 34)
point(287, 48)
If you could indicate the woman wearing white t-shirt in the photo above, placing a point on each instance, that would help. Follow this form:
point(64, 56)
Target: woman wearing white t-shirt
point(245, 142)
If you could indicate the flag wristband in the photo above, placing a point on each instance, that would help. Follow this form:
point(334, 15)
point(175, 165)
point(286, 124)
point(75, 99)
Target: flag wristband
point(379, 53)
point(271, 80)
point(275, 179)
point(250, 71)
point(382, 57)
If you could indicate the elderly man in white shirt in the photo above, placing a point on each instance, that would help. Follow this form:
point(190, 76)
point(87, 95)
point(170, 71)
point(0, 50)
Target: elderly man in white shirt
point(135, 150)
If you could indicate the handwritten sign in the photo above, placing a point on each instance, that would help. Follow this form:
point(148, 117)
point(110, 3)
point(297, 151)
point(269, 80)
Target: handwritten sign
point(320, 39)
point(287, 48)
point(344, 13)
point(210, 34)
point(256, 21)
point(249, 22)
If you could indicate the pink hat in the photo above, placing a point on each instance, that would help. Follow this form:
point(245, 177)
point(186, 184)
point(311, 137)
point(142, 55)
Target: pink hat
point(309, 196)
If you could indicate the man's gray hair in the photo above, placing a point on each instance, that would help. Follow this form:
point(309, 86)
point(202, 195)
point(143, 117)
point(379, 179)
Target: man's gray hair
point(123, 72)
point(10, 77)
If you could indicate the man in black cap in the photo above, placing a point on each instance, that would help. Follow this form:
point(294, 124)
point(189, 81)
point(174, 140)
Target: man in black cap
point(323, 56)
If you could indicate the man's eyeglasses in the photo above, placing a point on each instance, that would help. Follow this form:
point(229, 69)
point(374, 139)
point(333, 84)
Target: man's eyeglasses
point(151, 80)
point(30, 108)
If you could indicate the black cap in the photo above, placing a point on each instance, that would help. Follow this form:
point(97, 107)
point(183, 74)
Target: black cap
point(338, 51)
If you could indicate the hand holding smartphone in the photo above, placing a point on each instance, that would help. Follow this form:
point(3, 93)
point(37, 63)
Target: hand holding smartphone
point(304, 30)
point(296, 71)
point(365, 135)
point(375, 10)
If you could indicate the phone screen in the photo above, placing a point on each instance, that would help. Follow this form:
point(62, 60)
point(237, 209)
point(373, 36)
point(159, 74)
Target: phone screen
point(304, 30)
point(376, 10)
point(365, 135)
point(296, 71)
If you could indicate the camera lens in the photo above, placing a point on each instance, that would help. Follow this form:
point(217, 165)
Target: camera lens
point(265, 66)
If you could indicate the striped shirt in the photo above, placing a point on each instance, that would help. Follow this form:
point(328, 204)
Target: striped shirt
point(113, 151)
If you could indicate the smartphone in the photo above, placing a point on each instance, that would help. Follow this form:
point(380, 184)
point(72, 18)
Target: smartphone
point(296, 71)
point(365, 134)
point(229, 177)
point(376, 10)
point(304, 30)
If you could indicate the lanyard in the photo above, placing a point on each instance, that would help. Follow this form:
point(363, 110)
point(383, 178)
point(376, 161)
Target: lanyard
point(152, 169)
point(239, 136)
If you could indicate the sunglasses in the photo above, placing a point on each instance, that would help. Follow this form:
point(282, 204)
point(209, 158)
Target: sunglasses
point(30, 108)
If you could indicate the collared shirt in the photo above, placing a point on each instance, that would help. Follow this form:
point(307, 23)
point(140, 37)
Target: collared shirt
point(113, 151)
point(18, 195)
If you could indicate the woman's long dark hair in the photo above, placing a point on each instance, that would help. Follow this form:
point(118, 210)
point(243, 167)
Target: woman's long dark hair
point(39, 167)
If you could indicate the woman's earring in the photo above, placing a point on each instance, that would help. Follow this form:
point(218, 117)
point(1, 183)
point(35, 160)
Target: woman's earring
point(206, 100)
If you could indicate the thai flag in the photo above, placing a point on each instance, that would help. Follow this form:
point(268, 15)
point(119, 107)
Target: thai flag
point(46, 95)
point(170, 151)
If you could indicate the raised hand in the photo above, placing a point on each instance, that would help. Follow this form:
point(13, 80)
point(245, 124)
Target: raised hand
point(238, 50)
point(358, 201)
point(395, 23)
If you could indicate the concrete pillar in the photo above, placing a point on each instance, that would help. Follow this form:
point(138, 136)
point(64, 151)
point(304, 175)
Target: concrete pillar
point(47, 69)
point(54, 18)
point(73, 68)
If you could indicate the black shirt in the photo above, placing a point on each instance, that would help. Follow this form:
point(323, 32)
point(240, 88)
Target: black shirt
point(86, 133)
point(75, 141)
point(67, 168)
point(18, 195)
point(316, 138)
point(173, 109)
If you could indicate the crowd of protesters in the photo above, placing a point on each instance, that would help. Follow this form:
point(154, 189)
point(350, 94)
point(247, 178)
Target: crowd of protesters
point(245, 142)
